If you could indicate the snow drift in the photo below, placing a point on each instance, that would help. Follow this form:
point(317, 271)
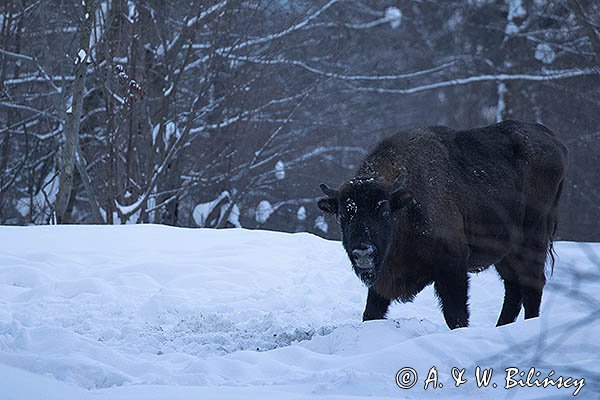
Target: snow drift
point(149, 312)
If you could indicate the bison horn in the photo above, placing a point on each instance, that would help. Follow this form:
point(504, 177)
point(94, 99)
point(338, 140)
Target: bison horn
point(328, 191)
point(400, 181)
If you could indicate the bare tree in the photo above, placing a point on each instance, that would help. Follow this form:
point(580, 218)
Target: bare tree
point(73, 115)
point(262, 100)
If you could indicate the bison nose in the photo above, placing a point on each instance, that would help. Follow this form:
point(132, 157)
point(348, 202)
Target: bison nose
point(363, 251)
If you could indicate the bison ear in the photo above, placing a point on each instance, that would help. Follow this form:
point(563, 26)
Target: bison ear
point(328, 205)
point(400, 199)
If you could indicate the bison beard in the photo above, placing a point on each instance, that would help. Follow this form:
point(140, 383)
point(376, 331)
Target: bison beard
point(433, 204)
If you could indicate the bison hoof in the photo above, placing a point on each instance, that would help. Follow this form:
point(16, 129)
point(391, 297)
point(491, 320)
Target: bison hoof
point(458, 324)
point(368, 317)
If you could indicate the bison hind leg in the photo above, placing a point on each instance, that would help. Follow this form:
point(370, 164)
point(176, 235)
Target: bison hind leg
point(523, 274)
point(512, 293)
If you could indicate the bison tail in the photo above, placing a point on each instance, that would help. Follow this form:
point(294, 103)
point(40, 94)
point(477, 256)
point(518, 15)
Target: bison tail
point(552, 226)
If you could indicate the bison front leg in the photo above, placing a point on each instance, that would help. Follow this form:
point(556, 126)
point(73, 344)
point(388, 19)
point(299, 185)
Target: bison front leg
point(452, 287)
point(376, 307)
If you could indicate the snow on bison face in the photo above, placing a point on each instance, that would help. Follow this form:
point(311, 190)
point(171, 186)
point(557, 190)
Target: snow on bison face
point(365, 211)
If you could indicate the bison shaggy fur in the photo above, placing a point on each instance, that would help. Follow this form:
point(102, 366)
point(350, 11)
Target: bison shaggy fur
point(430, 205)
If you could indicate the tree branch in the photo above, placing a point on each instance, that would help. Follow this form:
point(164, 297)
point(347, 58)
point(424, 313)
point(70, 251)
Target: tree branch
point(564, 74)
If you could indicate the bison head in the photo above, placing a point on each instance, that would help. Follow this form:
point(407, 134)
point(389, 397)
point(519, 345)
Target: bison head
point(365, 211)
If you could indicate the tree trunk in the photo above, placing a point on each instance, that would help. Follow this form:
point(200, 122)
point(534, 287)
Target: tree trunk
point(65, 185)
point(87, 184)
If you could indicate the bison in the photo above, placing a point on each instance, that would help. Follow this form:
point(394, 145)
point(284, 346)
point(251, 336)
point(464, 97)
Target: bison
point(432, 204)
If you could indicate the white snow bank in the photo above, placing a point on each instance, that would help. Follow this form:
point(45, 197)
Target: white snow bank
point(202, 211)
point(150, 312)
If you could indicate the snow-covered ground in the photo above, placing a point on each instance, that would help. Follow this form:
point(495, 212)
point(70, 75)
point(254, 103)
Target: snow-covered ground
point(150, 312)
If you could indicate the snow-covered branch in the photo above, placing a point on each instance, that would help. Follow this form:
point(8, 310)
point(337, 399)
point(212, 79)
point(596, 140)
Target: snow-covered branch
point(555, 75)
point(346, 77)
